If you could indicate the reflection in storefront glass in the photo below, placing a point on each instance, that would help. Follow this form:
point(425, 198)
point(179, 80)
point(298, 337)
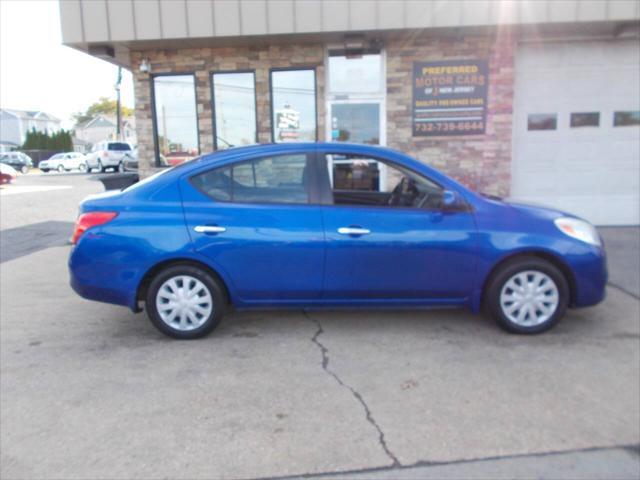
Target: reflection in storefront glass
point(175, 117)
point(358, 122)
point(235, 109)
point(355, 75)
point(293, 93)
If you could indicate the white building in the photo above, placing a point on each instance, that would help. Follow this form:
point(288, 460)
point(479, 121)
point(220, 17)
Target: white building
point(14, 125)
point(103, 127)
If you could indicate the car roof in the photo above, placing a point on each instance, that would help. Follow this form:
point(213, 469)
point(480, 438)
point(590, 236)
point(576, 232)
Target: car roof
point(267, 148)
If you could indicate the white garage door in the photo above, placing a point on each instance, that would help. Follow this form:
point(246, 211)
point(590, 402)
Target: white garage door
point(576, 132)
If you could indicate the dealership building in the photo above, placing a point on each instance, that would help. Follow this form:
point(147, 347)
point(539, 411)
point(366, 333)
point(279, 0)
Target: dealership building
point(534, 99)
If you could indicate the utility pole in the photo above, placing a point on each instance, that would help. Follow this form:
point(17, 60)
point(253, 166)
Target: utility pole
point(118, 119)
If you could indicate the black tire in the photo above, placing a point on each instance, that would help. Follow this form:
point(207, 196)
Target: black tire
point(45, 170)
point(507, 271)
point(216, 291)
point(100, 167)
point(82, 168)
point(24, 170)
point(60, 169)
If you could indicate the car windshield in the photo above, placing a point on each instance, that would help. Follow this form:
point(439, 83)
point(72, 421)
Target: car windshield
point(118, 146)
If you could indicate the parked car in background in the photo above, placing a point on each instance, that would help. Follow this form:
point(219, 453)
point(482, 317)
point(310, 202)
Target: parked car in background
point(108, 155)
point(7, 173)
point(287, 225)
point(130, 161)
point(176, 158)
point(64, 162)
point(18, 160)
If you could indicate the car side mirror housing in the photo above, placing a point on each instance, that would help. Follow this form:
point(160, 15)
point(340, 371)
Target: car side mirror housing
point(449, 199)
point(452, 202)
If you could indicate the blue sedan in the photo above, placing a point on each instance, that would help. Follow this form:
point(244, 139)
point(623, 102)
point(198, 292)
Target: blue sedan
point(327, 225)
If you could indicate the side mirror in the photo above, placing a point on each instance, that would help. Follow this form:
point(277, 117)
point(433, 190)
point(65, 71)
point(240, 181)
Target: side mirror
point(449, 199)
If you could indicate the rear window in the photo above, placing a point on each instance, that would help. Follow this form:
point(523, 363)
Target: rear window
point(57, 156)
point(116, 146)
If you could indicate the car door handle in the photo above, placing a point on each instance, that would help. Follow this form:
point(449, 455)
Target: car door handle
point(209, 229)
point(353, 231)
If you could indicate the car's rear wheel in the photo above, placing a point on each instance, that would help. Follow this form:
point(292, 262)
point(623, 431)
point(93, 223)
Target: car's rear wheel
point(100, 167)
point(45, 170)
point(185, 302)
point(60, 169)
point(82, 167)
point(24, 169)
point(527, 295)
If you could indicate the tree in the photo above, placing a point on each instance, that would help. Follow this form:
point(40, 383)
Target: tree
point(60, 141)
point(104, 106)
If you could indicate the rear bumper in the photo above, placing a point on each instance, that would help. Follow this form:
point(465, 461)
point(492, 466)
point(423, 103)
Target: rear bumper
point(98, 282)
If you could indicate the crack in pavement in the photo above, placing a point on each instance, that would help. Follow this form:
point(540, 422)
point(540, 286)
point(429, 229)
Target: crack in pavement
point(325, 366)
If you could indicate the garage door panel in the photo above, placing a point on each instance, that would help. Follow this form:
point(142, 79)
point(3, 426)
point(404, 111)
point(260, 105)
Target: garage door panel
point(611, 210)
point(593, 172)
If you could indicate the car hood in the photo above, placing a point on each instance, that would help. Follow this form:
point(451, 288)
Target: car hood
point(536, 209)
point(530, 209)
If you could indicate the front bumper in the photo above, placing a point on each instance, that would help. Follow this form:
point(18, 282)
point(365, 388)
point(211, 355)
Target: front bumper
point(589, 266)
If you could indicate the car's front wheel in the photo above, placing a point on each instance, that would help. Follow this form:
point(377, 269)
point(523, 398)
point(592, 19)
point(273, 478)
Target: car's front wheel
point(527, 295)
point(185, 302)
point(101, 169)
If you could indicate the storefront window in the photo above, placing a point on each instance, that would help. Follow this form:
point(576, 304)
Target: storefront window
point(234, 106)
point(356, 122)
point(175, 119)
point(293, 103)
point(353, 75)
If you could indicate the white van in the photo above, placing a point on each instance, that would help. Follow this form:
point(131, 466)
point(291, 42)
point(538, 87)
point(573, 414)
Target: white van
point(108, 155)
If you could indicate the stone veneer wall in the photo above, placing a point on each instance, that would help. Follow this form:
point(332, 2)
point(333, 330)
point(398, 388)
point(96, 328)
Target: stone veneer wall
point(204, 61)
point(482, 162)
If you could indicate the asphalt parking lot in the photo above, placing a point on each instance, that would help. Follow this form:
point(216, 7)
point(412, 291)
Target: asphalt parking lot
point(91, 390)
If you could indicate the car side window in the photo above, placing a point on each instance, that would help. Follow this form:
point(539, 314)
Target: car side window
point(274, 179)
point(359, 180)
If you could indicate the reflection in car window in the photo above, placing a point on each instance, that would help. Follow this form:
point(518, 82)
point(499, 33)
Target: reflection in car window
point(279, 179)
point(357, 180)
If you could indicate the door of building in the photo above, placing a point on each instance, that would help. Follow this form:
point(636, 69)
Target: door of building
point(356, 110)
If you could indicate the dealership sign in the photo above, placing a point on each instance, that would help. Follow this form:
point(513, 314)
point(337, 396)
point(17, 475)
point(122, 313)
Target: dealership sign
point(450, 97)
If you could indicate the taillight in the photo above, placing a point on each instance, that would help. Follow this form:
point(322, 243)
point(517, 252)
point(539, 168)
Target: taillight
point(88, 220)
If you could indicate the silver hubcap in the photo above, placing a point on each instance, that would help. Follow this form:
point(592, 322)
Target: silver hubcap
point(529, 298)
point(184, 303)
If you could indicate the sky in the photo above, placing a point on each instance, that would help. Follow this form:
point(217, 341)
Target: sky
point(38, 73)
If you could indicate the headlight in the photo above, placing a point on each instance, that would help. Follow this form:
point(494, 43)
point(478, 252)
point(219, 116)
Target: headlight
point(579, 229)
